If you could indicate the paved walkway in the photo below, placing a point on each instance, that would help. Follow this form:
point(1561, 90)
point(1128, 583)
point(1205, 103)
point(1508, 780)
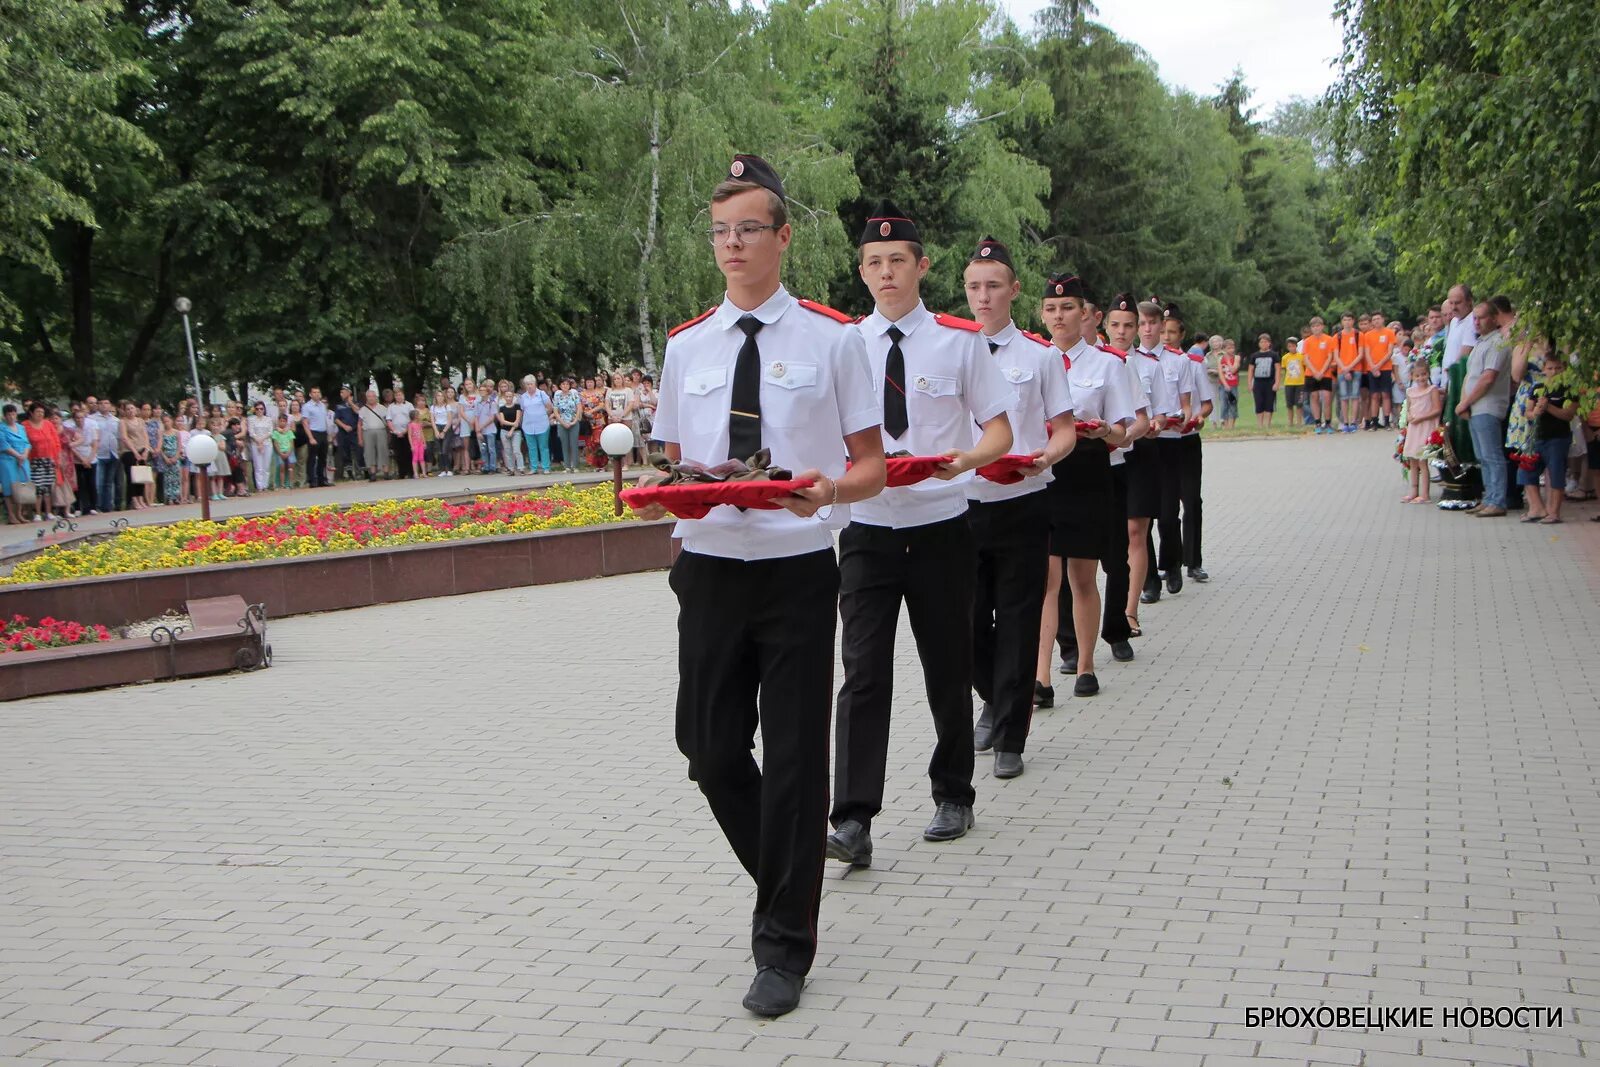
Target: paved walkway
point(457, 831)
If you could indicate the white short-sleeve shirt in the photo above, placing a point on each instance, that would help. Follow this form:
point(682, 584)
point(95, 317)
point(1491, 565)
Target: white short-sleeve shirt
point(815, 391)
point(1200, 389)
point(1163, 382)
point(1141, 400)
point(1177, 377)
point(1461, 334)
point(950, 383)
point(1101, 388)
point(1032, 367)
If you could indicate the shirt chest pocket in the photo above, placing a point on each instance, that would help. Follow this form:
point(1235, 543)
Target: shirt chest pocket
point(1171, 373)
point(789, 394)
point(1023, 381)
point(706, 398)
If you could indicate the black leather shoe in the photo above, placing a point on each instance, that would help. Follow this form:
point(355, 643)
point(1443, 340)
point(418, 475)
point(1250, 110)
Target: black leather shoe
point(1044, 696)
point(774, 993)
point(1121, 651)
point(949, 822)
point(1007, 764)
point(1199, 574)
point(983, 733)
point(851, 843)
point(1150, 595)
point(1069, 663)
point(1087, 685)
point(1174, 580)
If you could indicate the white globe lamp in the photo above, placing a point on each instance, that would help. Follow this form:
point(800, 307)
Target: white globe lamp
point(617, 441)
point(202, 452)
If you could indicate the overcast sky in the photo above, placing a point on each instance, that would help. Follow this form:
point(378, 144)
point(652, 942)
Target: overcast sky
point(1286, 47)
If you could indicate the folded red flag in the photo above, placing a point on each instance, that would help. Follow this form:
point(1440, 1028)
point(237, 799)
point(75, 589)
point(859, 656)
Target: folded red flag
point(909, 470)
point(1007, 470)
point(1092, 424)
point(694, 500)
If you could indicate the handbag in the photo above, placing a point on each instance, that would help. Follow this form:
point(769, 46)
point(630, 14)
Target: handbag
point(141, 474)
point(24, 494)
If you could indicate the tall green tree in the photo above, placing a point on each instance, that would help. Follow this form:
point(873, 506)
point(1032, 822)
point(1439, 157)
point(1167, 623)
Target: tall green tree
point(1470, 133)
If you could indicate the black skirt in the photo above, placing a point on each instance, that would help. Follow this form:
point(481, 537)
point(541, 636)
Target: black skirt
point(1144, 481)
point(1081, 502)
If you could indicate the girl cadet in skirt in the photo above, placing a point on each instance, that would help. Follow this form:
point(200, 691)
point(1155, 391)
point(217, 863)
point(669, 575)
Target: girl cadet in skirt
point(1142, 332)
point(1081, 512)
point(1115, 629)
point(758, 590)
point(1010, 523)
point(912, 543)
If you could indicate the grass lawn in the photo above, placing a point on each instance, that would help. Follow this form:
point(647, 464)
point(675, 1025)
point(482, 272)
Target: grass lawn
point(1246, 426)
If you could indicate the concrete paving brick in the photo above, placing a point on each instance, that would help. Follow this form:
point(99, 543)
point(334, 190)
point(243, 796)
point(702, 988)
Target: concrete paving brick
point(278, 868)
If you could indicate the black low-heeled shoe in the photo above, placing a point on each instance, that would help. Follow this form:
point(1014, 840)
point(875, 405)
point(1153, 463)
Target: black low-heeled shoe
point(1044, 696)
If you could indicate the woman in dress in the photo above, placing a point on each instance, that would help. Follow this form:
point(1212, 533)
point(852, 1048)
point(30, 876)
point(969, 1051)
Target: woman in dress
point(302, 445)
point(644, 417)
point(44, 452)
point(13, 460)
point(172, 488)
point(135, 441)
point(593, 401)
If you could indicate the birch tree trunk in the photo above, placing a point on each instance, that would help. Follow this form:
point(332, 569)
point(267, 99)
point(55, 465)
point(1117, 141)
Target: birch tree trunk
point(647, 250)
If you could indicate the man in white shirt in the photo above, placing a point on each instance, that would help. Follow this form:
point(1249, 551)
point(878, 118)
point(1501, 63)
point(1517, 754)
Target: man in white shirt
point(1166, 558)
point(1189, 455)
point(398, 419)
point(911, 544)
point(1010, 523)
point(758, 590)
point(1462, 333)
point(314, 416)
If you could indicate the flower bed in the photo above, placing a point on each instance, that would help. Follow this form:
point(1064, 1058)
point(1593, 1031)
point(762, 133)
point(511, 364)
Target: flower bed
point(18, 635)
point(293, 532)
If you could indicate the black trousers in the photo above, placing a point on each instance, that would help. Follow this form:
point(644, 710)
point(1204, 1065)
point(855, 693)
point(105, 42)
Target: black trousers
point(755, 647)
point(317, 458)
point(1012, 541)
point(1169, 462)
point(400, 450)
point(931, 569)
point(1114, 605)
point(349, 458)
point(1189, 493)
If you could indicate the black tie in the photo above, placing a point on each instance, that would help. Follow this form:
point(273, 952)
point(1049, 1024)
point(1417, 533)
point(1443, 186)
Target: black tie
point(894, 389)
point(744, 411)
point(994, 346)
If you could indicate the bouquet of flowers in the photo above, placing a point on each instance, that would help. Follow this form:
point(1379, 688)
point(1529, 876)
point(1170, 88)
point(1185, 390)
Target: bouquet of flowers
point(1526, 461)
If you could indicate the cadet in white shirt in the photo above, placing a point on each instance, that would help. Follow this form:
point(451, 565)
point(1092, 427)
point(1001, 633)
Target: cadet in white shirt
point(1115, 626)
point(758, 590)
point(1082, 497)
point(1010, 523)
point(912, 543)
point(1201, 400)
point(1166, 560)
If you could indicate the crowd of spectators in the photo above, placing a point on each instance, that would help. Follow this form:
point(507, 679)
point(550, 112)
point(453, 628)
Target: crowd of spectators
point(94, 456)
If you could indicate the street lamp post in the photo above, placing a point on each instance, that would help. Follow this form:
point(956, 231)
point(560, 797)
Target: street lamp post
point(202, 450)
point(617, 441)
point(182, 305)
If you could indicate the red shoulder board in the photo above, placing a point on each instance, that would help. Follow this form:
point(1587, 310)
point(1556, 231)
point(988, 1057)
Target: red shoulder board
point(1197, 357)
point(1034, 337)
point(703, 316)
point(824, 309)
point(957, 323)
point(1175, 351)
point(1119, 353)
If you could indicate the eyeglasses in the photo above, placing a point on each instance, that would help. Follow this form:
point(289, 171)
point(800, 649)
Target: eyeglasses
point(749, 232)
